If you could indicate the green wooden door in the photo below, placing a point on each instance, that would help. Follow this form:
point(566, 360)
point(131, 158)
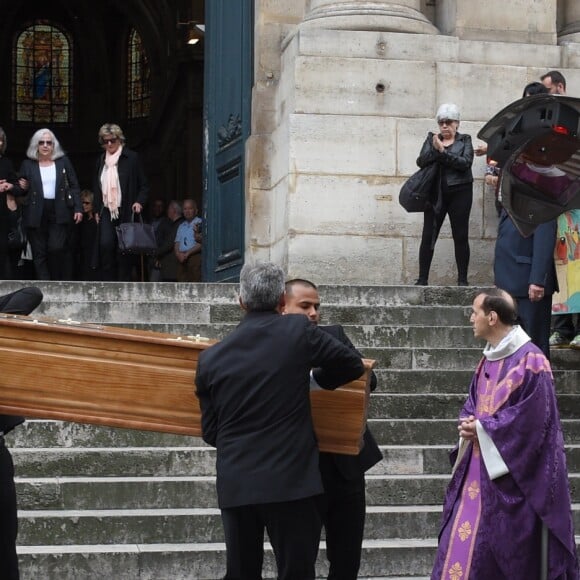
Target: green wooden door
point(227, 106)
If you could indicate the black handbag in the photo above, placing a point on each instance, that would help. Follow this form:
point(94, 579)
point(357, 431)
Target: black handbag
point(136, 237)
point(417, 191)
point(17, 236)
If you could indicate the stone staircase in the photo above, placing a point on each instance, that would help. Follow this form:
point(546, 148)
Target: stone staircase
point(110, 503)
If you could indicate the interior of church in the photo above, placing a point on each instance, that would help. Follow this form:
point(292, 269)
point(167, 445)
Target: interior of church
point(73, 65)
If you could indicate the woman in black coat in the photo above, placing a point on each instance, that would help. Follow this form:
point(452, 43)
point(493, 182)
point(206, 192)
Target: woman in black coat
point(8, 185)
point(120, 189)
point(51, 206)
point(453, 192)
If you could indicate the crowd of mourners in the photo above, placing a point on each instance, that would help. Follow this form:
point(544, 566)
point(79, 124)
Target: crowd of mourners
point(51, 229)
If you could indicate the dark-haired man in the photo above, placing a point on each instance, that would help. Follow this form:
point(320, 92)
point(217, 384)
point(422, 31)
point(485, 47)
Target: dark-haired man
point(343, 477)
point(507, 510)
point(555, 82)
point(254, 393)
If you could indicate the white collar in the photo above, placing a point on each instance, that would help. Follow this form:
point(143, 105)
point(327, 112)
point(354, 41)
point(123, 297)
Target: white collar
point(509, 344)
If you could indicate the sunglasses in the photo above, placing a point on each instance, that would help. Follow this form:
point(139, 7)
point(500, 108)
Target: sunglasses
point(445, 122)
point(45, 142)
point(87, 202)
point(108, 141)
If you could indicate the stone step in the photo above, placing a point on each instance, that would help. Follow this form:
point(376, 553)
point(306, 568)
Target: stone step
point(442, 405)
point(346, 295)
point(453, 381)
point(177, 461)
point(155, 526)
point(198, 525)
point(100, 493)
point(439, 431)
point(380, 559)
point(392, 431)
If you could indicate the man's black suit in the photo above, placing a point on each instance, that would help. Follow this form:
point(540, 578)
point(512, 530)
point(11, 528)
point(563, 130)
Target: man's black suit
point(22, 301)
point(253, 389)
point(344, 489)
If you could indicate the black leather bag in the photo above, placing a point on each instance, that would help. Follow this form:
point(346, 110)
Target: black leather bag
point(418, 190)
point(17, 236)
point(136, 237)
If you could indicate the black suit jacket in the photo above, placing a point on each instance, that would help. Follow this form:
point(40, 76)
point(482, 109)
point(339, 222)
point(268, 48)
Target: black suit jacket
point(254, 389)
point(34, 200)
point(352, 466)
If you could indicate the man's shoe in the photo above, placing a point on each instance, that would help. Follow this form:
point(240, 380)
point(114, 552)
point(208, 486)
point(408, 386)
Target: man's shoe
point(575, 342)
point(421, 282)
point(558, 340)
point(462, 283)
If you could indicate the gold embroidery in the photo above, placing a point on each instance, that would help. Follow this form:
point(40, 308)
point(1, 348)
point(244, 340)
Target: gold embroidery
point(464, 531)
point(473, 490)
point(456, 571)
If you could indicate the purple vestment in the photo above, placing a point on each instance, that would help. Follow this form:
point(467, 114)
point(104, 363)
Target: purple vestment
point(491, 529)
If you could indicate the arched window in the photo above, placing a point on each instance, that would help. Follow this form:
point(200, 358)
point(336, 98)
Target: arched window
point(138, 79)
point(43, 68)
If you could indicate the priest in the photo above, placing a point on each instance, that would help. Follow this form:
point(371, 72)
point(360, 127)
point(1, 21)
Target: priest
point(507, 512)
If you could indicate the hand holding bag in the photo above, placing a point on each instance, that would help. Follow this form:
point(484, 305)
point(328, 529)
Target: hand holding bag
point(136, 237)
point(417, 190)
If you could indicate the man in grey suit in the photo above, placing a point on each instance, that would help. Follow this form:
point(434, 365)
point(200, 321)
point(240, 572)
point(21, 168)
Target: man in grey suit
point(254, 389)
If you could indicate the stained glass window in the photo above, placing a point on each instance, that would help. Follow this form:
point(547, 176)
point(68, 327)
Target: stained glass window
point(139, 79)
point(42, 88)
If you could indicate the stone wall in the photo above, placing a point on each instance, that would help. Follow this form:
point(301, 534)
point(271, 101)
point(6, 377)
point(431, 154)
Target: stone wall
point(339, 125)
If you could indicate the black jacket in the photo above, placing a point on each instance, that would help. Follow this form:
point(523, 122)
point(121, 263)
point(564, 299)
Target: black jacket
point(455, 161)
point(34, 201)
point(254, 393)
point(132, 179)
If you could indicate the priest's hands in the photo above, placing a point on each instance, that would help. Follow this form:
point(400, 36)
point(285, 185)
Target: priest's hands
point(467, 429)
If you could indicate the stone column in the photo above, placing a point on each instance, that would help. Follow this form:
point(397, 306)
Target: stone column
point(375, 15)
point(570, 22)
point(520, 21)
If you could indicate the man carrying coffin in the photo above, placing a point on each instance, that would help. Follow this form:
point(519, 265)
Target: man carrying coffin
point(254, 389)
point(507, 508)
point(343, 476)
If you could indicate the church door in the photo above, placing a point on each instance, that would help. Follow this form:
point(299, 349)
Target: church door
point(227, 105)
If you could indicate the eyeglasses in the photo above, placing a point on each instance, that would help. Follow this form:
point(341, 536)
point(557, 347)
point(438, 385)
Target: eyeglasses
point(108, 141)
point(87, 202)
point(45, 142)
point(445, 122)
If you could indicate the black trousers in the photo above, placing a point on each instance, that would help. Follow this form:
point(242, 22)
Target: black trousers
point(343, 509)
point(534, 318)
point(114, 265)
point(564, 324)
point(52, 253)
point(293, 528)
point(456, 204)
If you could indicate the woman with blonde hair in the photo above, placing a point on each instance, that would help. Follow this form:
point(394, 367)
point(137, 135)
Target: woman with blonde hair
point(121, 189)
point(51, 207)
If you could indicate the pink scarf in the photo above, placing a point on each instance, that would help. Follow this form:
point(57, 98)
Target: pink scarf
point(110, 185)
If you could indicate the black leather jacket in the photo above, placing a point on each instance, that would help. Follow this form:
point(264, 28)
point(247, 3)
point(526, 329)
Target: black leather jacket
point(456, 160)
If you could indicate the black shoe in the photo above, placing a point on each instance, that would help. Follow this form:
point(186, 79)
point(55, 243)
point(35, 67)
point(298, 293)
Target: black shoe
point(421, 282)
point(463, 283)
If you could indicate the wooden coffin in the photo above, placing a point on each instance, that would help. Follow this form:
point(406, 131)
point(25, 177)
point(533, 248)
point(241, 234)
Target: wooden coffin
point(135, 379)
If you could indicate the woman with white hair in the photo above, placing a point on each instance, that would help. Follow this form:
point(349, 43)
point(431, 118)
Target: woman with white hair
point(452, 192)
point(51, 206)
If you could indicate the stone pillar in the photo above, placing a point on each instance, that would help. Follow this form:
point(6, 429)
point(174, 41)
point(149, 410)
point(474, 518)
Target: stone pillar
point(570, 22)
point(374, 15)
point(525, 21)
